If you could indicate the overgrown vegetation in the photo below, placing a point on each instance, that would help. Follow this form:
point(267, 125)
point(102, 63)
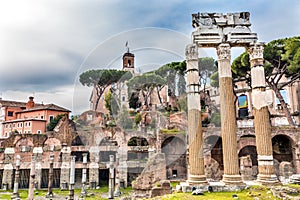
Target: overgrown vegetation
point(51, 125)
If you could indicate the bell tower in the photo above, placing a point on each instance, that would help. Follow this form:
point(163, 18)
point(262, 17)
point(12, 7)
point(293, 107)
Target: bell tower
point(128, 60)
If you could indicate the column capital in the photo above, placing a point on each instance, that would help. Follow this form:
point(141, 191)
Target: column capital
point(256, 51)
point(223, 51)
point(191, 52)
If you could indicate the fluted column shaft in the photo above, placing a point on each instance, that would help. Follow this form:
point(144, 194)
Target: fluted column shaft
point(266, 172)
point(228, 118)
point(196, 160)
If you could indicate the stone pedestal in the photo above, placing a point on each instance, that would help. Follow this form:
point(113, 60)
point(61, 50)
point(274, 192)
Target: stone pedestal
point(123, 168)
point(228, 118)
point(246, 168)
point(65, 167)
point(266, 172)
point(38, 153)
point(196, 174)
point(94, 167)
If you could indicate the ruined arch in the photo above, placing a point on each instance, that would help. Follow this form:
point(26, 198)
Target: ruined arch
point(24, 144)
point(246, 140)
point(52, 144)
point(251, 151)
point(174, 149)
point(282, 148)
point(137, 141)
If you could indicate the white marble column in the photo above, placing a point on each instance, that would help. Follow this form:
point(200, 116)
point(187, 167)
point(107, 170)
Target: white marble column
point(231, 174)
point(266, 172)
point(196, 174)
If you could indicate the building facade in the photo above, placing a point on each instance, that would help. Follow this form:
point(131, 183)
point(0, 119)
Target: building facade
point(25, 118)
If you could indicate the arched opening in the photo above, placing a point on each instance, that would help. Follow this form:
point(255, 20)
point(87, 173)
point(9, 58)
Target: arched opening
point(249, 150)
point(282, 148)
point(247, 146)
point(248, 162)
point(137, 153)
point(137, 141)
point(174, 149)
point(247, 136)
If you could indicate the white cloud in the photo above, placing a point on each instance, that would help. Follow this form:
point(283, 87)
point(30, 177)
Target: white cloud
point(45, 45)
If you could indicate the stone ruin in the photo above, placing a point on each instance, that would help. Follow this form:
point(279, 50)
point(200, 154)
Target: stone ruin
point(152, 181)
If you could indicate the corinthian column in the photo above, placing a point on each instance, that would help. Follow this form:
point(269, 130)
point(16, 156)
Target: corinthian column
point(266, 174)
point(228, 118)
point(196, 174)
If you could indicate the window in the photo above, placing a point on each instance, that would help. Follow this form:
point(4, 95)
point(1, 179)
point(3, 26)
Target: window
point(39, 132)
point(28, 123)
point(42, 117)
point(51, 117)
point(123, 98)
point(10, 113)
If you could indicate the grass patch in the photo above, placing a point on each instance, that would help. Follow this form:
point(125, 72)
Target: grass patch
point(92, 194)
point(171, 131)
point(245, 195)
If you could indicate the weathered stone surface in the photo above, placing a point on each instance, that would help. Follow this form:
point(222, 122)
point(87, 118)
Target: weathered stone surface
point(161, 190)
point(154, 172)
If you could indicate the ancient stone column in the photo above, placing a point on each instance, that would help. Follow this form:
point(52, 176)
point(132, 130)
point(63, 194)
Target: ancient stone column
point(111, 183)
point(266, 174)
point(17, 178)
point(228, 118)
point(72, 178)
point(117, 179)
point(196, 174)
point(84, 163)
point(32, 179)
point(50, 182)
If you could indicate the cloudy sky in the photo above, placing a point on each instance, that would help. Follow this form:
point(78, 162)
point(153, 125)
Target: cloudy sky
point(46, 44)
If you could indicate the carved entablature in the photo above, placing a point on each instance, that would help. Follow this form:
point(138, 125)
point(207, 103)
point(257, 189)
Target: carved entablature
point(215, 28)
point(209, 20)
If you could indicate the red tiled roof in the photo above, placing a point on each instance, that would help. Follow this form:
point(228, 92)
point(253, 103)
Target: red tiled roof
point(12, 103)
